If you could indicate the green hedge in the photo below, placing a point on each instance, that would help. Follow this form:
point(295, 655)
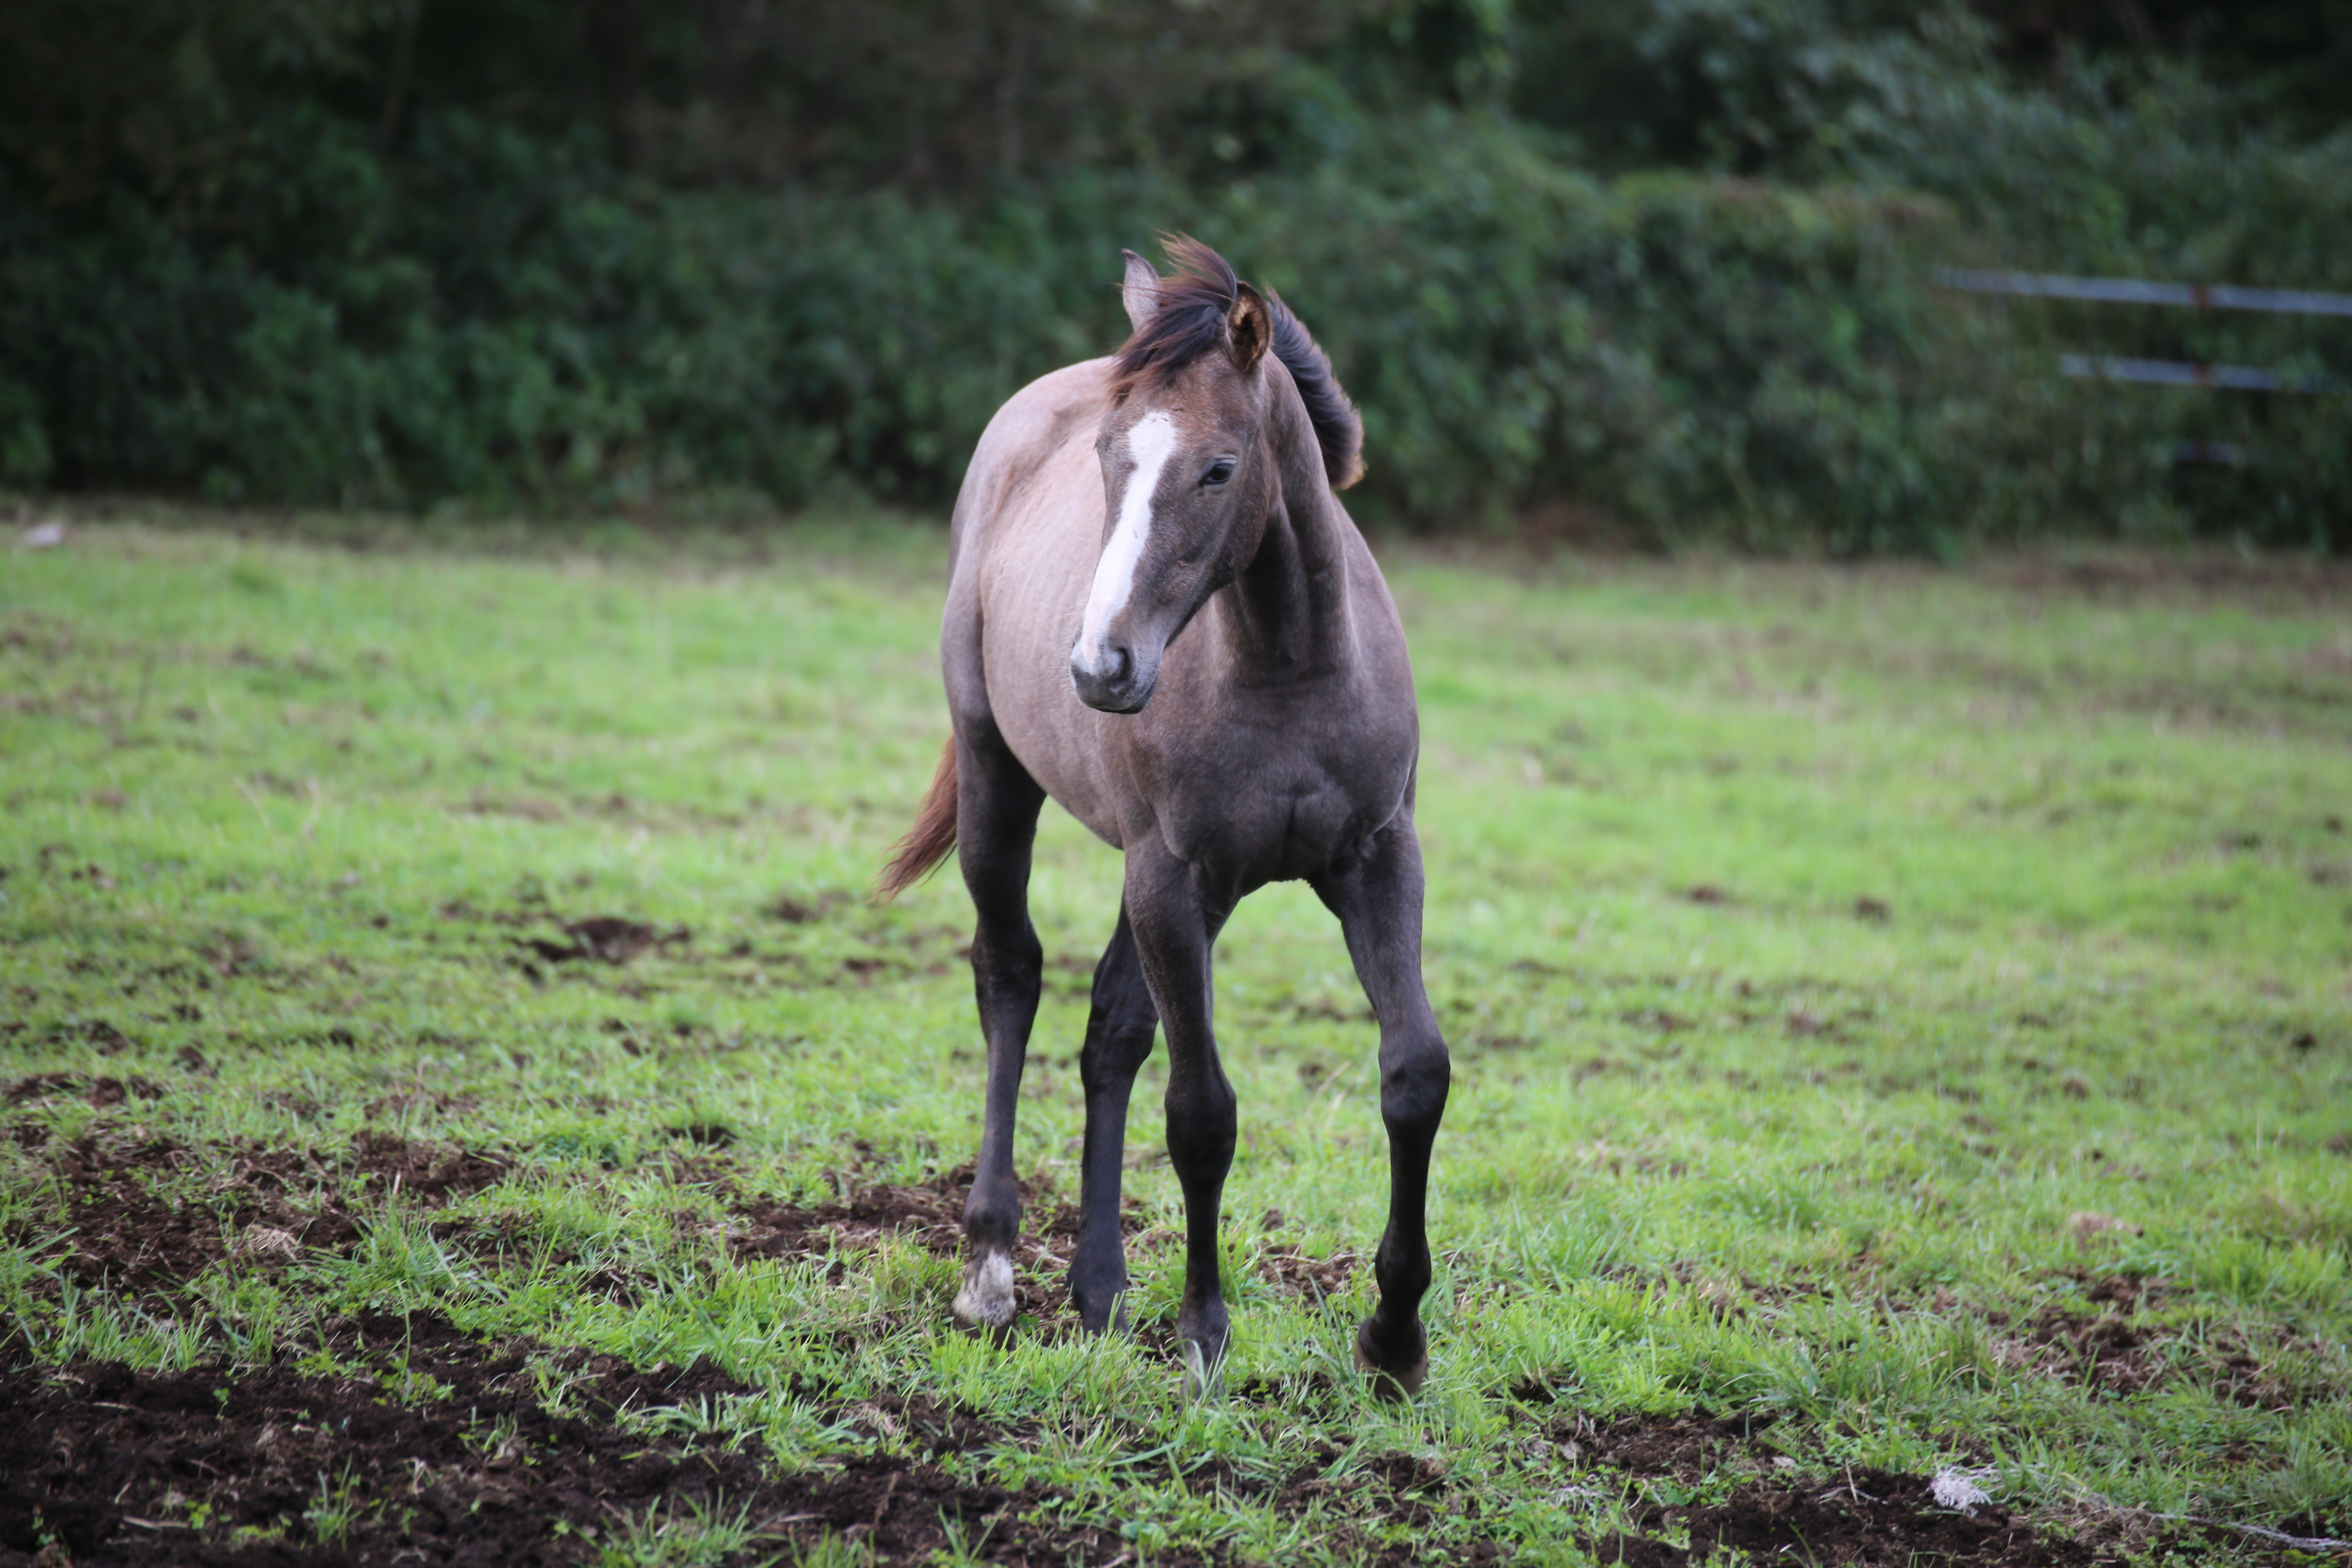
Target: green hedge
point(504, 322)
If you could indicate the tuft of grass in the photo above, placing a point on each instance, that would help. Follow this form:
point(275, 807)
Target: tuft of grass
point(698, 1532)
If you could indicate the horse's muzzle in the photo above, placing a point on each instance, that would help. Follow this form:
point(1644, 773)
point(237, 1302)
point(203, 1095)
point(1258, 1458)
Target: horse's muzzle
point(1114, 681)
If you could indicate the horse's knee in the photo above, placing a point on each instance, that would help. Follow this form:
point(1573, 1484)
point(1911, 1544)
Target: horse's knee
point(1414, 1077)
point(1014, 956)
point(1200, 1129)
point(1111, 1055)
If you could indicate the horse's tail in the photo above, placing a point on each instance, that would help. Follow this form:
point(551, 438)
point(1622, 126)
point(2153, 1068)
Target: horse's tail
point(933, 837)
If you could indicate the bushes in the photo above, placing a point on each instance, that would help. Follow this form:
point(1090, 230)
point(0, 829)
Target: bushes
point(1708, 359)
point(512, 325)
point(503, 319)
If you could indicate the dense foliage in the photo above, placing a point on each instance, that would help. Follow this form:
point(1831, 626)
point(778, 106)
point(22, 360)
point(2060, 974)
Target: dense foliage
point(1666, 263)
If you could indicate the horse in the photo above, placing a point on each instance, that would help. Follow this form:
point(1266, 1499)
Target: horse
point(1159, 615)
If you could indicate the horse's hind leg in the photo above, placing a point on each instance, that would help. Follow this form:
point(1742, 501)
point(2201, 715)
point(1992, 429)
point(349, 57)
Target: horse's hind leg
point(1377, 895)
point(1118, 1039)
point(996, 823)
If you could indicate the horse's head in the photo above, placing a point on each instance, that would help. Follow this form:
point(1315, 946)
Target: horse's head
point(1187, 474)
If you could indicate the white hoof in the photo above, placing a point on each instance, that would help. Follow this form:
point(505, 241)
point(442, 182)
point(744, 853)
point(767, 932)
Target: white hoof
point(986, 1300)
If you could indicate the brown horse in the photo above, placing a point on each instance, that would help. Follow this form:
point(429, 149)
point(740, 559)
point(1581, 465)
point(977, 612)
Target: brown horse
point(1159, 615)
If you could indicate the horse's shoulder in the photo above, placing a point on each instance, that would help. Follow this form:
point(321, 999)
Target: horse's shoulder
point(1035, 423)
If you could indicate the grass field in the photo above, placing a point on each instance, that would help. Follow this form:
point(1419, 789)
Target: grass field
point(461, 1107)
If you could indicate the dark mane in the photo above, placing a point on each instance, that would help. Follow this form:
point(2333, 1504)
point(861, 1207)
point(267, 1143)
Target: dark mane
point(1195, 304)
point(1338, 428)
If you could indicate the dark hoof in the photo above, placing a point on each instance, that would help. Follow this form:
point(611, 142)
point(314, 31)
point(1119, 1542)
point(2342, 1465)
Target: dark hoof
point(1111, 1322)
point(1393, 1378)
point(1204, 1372)
point(1098, 1316)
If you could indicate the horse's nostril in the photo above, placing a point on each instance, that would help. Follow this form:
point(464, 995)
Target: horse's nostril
point(1121, 663)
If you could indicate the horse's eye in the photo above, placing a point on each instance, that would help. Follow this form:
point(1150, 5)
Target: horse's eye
point(1219, 472)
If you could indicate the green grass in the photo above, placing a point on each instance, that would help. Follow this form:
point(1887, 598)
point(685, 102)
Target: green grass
point(1849, 972)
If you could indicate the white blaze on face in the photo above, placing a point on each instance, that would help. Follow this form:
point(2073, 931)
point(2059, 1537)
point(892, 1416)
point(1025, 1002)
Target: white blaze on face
point(1150, 442)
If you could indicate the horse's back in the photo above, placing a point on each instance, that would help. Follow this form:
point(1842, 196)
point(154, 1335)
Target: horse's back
point(1036, 423)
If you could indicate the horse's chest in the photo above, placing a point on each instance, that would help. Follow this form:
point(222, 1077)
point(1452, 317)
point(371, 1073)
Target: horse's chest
point(1281, 802)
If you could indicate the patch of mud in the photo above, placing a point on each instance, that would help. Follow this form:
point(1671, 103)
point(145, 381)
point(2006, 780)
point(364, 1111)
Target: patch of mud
point(1858, 1516)
point(2285, 581)
point(932, 1216)
point(1684, 1448)
point(100, 1092)
point(2115, 1347)
point(799, 913)
point(1862, 1517)
point(433, 1172)
point(607, 939)
point(1295, 1272)
point(219, 1465)
point(1388, 1489)
point(2107, 1351)
point(135, 1222)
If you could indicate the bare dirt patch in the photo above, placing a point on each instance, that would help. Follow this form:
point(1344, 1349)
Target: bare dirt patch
point(223, 1464)
point(426, 1445)
point(932, 1216)
point(1297, 1273)
point(135, 1221)
point(608, 939)
point(1860, 1516)
point(100, 1091)
point(1779, 1514)
point(2196, 576)
point(2107, 1351)
point(1684, 1448)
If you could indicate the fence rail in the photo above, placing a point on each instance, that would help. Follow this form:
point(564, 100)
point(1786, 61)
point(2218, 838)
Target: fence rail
point(2170, 371)
point(2188, 372)
point(2137, 291)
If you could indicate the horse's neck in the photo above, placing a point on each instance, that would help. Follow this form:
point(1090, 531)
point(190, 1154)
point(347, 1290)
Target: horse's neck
point(1291, 600)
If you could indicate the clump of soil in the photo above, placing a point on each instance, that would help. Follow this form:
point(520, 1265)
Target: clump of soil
point(100, 1091)
point(608, 939)
point(1684, 1448)
point(432, 1172)
point(118, 1466)
point(932, 1216)
point(1295, 1272)
point(137, 1225)
point(2106, 1351)
point(1862, 1517)
point(1858, 1517)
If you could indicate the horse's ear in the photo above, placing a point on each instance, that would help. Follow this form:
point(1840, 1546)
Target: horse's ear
point(1250, 325)
point(1141, 291)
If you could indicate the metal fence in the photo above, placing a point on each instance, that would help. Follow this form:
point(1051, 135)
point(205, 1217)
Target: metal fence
point(2169, 371)
point(2134, 291)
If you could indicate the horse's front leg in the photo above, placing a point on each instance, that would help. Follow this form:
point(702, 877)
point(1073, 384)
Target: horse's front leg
point(1377, 893)
point(1118, 1039)
point(996, 823)
point(1175, 923)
